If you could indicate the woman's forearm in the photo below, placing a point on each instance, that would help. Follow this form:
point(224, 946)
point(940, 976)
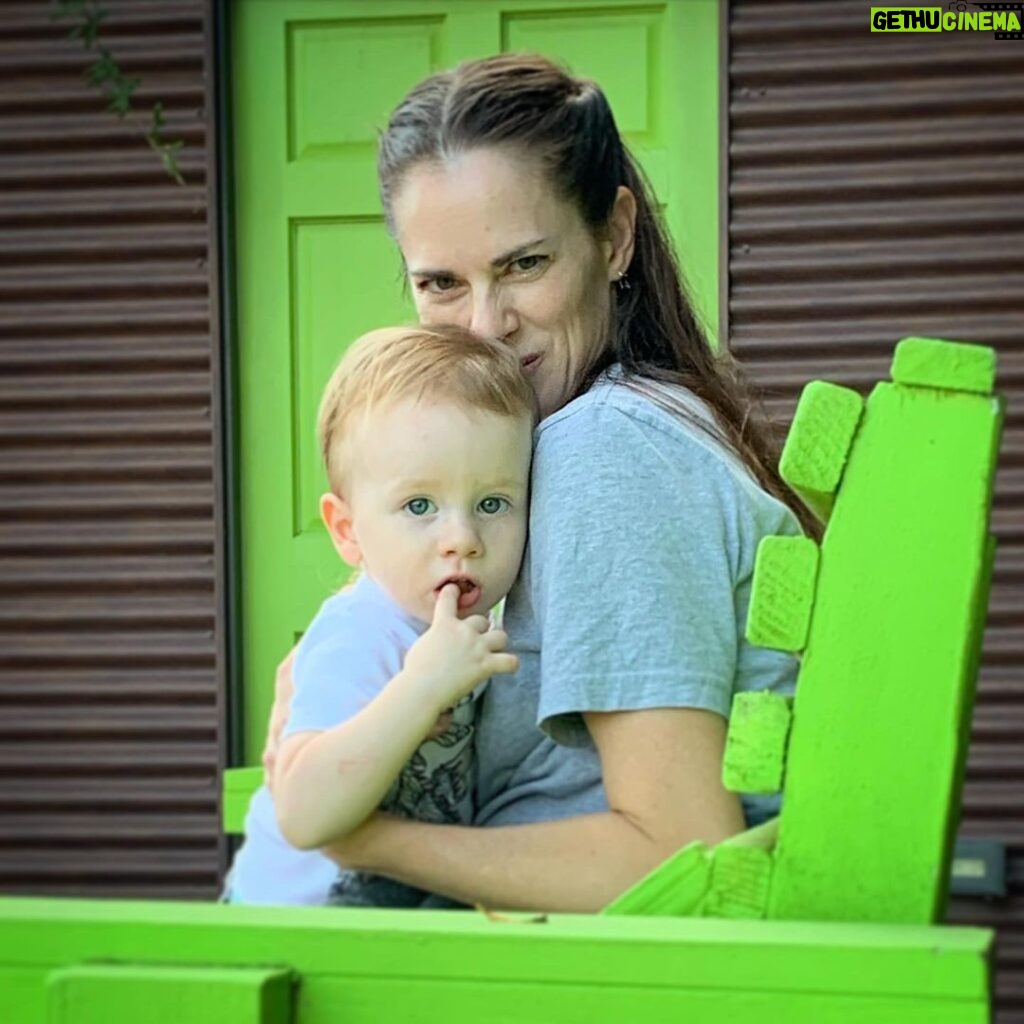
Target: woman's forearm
point(573, 865)
point(335, 779)
point(662, 777)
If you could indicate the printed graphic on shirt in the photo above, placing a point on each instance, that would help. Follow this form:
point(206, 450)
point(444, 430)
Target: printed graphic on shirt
point(436, 783)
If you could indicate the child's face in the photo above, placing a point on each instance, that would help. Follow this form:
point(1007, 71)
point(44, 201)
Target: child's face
point(436, 494)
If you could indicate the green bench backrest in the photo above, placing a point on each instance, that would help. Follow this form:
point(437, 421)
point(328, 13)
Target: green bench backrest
point(888, 615)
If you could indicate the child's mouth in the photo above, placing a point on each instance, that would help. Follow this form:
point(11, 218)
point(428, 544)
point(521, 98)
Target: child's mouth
point(469, 590)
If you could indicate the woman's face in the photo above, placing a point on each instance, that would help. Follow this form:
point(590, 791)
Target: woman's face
point(489, 245)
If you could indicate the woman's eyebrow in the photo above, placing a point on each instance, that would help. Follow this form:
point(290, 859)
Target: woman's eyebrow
point(498, 261)
point(514, 254)
point(429, 273)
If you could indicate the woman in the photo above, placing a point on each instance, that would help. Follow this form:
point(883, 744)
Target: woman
point(520, 215)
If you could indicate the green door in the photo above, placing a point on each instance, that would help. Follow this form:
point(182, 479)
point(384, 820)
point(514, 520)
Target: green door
point(313, 80)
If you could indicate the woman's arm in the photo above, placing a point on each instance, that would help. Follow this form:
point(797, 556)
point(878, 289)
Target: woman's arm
point(662, 779)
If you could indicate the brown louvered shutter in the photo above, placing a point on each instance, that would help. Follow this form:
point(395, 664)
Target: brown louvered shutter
point(874, 192)
point(110, 691)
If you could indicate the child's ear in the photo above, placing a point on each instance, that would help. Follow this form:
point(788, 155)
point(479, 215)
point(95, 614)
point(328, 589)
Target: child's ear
point(337, 516)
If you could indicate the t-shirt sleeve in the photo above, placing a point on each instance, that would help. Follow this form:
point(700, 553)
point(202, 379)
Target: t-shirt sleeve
point(336, 676)
point(632, 556)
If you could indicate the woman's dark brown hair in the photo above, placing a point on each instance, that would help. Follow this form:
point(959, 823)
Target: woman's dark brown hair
point(528, 103)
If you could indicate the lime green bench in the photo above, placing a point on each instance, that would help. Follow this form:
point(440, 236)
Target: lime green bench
point(887, 614)
point(829, 913)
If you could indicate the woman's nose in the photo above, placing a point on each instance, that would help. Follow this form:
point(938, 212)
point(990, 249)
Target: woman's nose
point(493, 318)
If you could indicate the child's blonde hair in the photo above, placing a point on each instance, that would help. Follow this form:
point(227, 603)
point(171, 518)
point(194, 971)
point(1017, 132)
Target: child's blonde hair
point(443, 362)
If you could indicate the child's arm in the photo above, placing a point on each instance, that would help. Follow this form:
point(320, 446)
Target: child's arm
point(326, 783)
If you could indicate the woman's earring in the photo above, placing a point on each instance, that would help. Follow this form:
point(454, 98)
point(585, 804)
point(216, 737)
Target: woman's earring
point(622, 282)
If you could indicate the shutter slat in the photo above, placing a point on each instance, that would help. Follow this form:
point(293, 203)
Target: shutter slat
point(103, 424)
point(42, 246)
point(40, 686)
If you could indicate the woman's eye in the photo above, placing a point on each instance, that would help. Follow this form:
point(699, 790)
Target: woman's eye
point(438, 285)
point(525, 264)
point(419, 506)
point(492, 506)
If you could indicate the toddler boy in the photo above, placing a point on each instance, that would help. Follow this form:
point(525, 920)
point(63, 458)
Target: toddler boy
point(426, 436)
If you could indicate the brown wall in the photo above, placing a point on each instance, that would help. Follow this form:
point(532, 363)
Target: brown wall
point(110, 679)
point(874, 191)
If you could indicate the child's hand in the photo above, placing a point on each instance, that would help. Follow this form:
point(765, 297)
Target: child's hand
point(455, 654)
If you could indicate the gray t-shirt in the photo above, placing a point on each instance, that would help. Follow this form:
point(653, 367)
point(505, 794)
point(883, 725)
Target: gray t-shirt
point(633, 594)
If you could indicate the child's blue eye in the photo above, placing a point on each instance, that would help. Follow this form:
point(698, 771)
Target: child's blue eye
point(419, 506)
point(492, 506)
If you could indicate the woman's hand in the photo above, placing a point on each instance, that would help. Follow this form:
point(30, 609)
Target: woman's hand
point(284, 690)
point(361, 847)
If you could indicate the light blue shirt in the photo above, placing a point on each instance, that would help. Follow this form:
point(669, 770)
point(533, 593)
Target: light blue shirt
point(354, 646)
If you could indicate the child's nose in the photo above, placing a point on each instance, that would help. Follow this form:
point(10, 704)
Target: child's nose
point(461, 538)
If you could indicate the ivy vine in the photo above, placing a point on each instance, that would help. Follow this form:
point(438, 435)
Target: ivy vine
point(106, 75)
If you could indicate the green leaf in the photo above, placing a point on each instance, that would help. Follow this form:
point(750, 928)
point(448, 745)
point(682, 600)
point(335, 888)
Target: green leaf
point(104, 69)
point(66, 8)
point(121, 96)
point(169, 156)
point(91, 26)
point(158, 117)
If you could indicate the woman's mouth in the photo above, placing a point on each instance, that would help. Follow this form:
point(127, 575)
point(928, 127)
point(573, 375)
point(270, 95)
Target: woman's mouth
point(530, 362)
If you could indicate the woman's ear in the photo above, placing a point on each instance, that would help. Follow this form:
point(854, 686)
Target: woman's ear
point(337, 516)
point(621, 233)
